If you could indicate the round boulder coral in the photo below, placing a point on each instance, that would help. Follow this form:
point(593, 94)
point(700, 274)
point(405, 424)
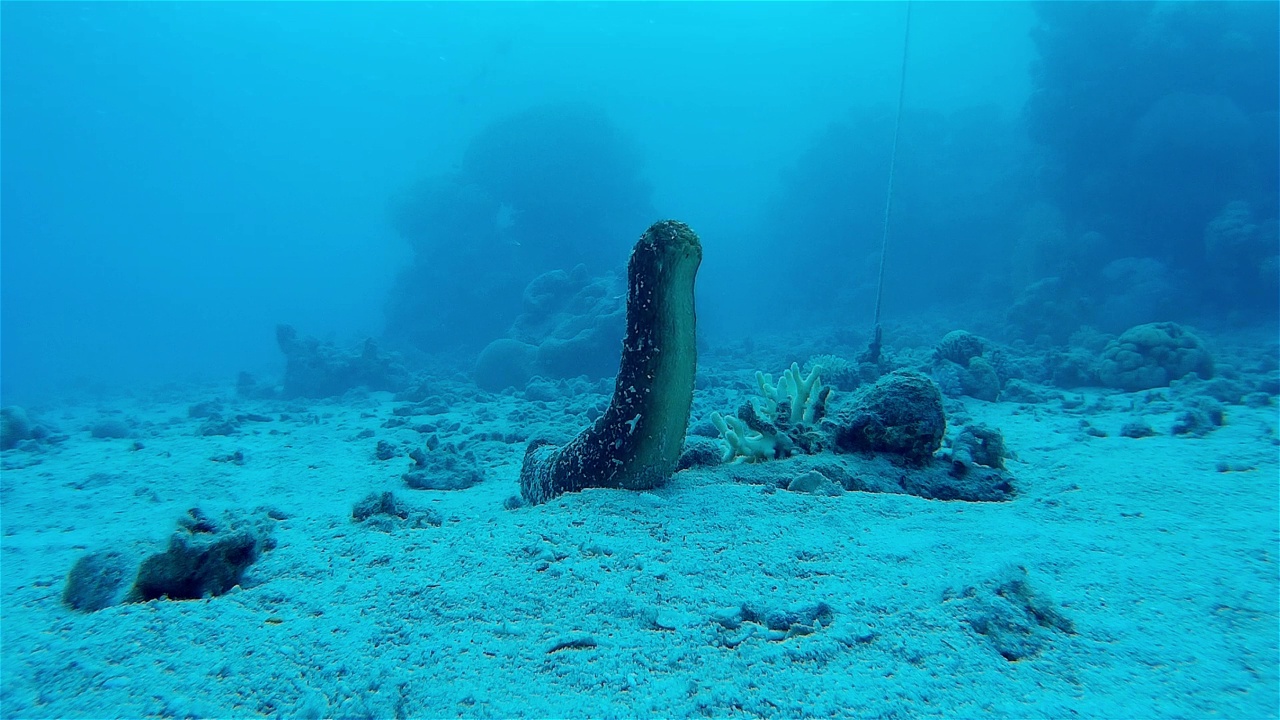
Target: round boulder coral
point(959, 346)
point(900, 414)
point(1151, 355)
point(14, 427)
point(505, 363)
point(980, 380)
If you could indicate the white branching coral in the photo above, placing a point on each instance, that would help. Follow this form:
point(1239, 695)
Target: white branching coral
point(741, 442)
point(791, 409)
point(797, 392)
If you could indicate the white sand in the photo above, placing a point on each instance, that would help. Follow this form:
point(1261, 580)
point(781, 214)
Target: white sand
point(1166, 567)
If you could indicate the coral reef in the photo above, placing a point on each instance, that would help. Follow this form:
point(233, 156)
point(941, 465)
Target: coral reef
point(1152, 355)
point(796, 398)
point(897, 425)
point(959, 346)
point(317, 370)
point(965, 482)
point(505, 363)
point(576, 326)
point(963, 179)
point(840, 373)
point(533, 188)
point(569, 326)
point(1050, 308)
point(1243, 254)
point(750, 438)
point(1136, 290)
point(980, 380)
point(1150, 144)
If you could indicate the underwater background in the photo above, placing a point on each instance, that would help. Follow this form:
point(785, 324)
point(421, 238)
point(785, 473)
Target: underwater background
point(292, 294)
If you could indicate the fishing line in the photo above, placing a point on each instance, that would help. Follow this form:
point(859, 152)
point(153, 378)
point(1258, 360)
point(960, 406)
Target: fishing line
point(873, 350)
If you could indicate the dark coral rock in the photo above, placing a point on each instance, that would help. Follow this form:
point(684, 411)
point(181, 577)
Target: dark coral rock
point(981, 445)
point(197, 522)
point(1074, 368)
point(1020, 391)
point(15, 427)
point(443, 469)
point(385, 512)
point(1050, 308)
point(1018, 621)
point(193, 567)
point(963, 481)
point(205, 410)
point(235, 458)
point(958, 480)
point(218, 427)
point(96, 581)
point(378, 504)
point(317, 370)
point(202, 559)
point(419, 519)
point(1257, 400)
point(1202, 416)
point(900, 414)
point(699, 452)
point(1136, 429)
point(110, 428)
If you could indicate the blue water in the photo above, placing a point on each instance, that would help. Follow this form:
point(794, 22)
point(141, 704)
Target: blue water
point(462, 183)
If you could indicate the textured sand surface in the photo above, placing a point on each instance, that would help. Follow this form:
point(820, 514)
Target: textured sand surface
point(612, 603)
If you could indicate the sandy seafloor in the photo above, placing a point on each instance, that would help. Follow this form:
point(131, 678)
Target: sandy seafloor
point(1161, 551)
